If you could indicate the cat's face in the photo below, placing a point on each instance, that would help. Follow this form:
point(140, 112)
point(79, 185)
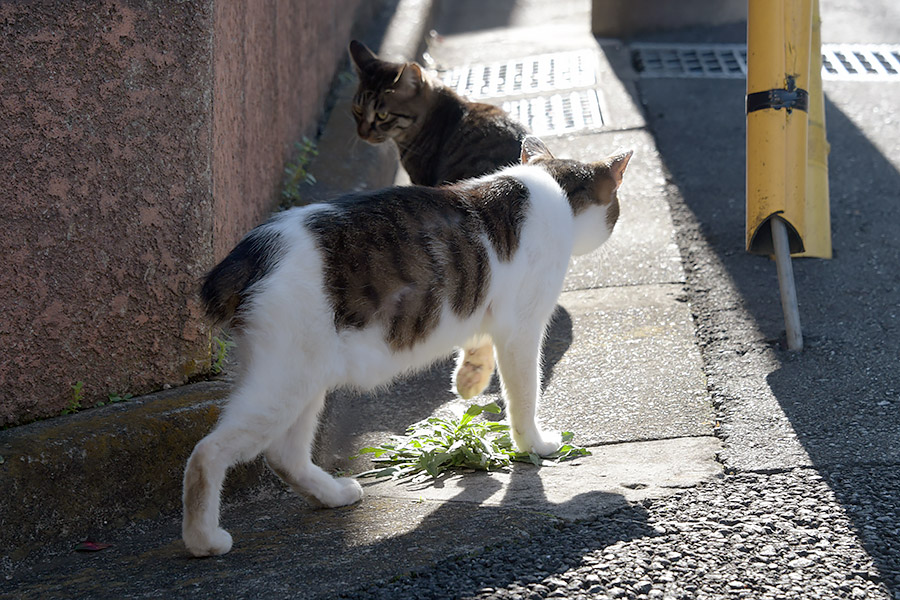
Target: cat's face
point(389, 99)
point(586, 184)
point(591, 188)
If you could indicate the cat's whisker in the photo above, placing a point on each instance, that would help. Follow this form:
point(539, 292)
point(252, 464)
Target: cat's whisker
point(352, 144)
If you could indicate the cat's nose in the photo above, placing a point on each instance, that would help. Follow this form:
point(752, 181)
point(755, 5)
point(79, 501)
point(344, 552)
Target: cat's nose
point(367, 132)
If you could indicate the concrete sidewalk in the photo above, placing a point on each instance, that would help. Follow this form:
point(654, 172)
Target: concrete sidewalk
point(623, 373)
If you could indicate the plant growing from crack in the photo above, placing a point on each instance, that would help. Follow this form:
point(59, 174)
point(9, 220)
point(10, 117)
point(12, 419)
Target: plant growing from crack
point(222, 346)
point(296, 174)
point(74, 404)
point(435, 445)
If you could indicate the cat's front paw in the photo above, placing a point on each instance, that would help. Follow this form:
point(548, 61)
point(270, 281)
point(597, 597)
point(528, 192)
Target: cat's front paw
point(200, 544)
point(475, 371)
point(472, 380)
point(544, 443)
point(346, 491)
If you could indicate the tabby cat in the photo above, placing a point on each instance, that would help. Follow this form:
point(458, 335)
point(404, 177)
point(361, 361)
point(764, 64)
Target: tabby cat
point(442, 138)
point(373, 285)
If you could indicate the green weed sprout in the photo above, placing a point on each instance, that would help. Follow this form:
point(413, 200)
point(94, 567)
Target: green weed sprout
point(74, 404)
point(223, 345)
point(296, 175)
point(435, 445)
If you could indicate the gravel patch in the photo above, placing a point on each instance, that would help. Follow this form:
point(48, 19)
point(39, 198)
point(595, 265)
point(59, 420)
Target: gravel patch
point(766, 536)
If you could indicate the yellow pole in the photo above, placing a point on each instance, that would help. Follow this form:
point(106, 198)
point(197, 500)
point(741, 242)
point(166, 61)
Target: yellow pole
point(778, 48)
point(818, 212)
point(778, 38)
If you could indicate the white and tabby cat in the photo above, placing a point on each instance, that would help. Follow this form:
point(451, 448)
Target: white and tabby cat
point(358, 291)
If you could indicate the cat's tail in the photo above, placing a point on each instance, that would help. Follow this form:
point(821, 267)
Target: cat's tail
point(228, 285)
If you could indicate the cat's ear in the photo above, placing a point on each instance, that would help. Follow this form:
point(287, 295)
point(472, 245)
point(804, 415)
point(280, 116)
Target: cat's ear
point(533, 147)
point(616, 165)
point(408, 81)
point(362, 57)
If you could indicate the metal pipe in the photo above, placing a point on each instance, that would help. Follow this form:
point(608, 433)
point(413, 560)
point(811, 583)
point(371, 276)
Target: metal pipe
point(786, 285)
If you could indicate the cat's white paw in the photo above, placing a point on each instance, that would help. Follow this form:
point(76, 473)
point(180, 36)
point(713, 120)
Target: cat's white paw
point(475, 371)
point(200, 544)
point(346, 491)
point(544, 443)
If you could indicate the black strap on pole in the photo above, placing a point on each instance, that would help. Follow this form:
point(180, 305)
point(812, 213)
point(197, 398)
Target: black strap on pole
point(788, 99)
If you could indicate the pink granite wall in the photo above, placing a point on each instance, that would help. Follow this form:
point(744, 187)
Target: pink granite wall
point(138, 142)
point(273, 70)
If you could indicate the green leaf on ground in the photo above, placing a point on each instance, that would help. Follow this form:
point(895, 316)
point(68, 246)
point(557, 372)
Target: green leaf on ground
point(435, 445)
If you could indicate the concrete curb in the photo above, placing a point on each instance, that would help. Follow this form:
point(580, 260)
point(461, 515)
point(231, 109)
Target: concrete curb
point(63, 478)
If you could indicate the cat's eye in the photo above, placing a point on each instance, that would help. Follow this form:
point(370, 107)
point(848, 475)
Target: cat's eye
point(381, 115)
point(357, 110)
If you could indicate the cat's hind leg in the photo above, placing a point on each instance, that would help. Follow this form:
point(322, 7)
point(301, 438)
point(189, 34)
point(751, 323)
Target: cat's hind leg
point(203, 479)
point(290, 457)
point(519, 357)
point(245, 430)
point(474, 367)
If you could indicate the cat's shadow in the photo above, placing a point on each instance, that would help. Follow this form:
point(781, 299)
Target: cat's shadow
point(523, 522)
point(352, 420)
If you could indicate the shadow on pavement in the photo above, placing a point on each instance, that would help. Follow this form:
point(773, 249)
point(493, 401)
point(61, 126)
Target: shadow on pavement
point(283, 545)
point(841, 395)
point(478, 533)
point(455, 15)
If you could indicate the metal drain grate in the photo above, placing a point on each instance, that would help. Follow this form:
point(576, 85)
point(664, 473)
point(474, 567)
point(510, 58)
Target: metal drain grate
point(682, 60)
point(555, 93)
point(536, 74)
point(729, 61)
point(559, 113)
point(858, 61)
